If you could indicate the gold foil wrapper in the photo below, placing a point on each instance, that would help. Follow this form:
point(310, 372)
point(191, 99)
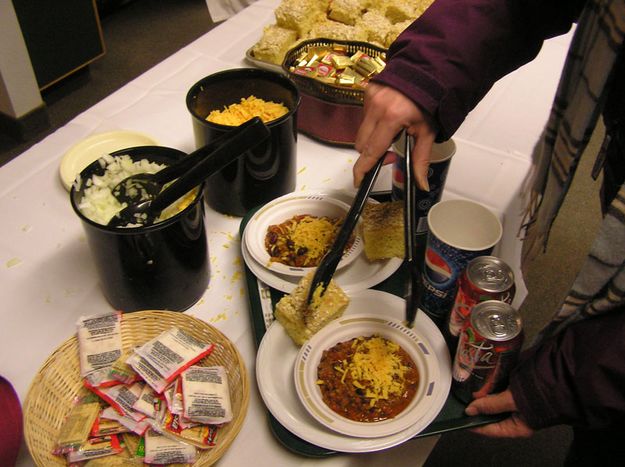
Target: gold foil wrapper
point(333, 64)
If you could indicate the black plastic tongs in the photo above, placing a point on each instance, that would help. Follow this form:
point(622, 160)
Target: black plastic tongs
point(330, 261)
point(410, 237)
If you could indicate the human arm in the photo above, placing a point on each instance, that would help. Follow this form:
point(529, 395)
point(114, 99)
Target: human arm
point(449, 58)
point(576, 378)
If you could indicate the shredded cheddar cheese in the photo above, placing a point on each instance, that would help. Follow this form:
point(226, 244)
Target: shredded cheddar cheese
point(375, 367)
point(302, 240)
point(314, 234)
point(238, 113)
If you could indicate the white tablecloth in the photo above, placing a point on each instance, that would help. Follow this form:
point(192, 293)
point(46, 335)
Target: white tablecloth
point(47, 279)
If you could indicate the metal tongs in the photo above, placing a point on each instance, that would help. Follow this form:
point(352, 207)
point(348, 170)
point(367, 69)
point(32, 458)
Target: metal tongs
point(330, 261)
point(410, 237)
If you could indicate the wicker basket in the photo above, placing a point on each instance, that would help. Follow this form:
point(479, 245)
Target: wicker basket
point(329, 113)
point(333, 93)
point(58, 381)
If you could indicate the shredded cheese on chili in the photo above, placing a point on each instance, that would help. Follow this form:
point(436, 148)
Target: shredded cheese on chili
point(375, 367)
point(314, 234)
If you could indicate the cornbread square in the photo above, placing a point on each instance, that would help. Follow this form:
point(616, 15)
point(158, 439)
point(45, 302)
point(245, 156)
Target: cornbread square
point(300, 322)
point(421, 6)
point(274, 44)
point(345, 11)
point(377, 26)
point(298, 15)
point(383, 230)
point(334, 30)
point(398, 11)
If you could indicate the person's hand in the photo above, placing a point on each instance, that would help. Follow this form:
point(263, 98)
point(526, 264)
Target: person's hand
point(511, 427)
point(386, 113)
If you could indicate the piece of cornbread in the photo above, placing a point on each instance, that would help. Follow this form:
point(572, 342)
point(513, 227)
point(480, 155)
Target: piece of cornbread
point(274, 44)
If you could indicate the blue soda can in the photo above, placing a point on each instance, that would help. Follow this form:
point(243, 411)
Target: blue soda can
point(437, 174)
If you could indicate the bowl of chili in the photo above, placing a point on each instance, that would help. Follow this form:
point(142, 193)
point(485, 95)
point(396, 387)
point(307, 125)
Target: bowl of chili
point(366, 376)
point(291, 234)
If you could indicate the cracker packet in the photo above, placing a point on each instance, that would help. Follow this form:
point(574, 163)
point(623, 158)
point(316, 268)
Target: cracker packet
point(147, 403)
point(99, 343)
point(77, 425)
point(149, 374)
point(206, 395)
point(94, 448)
point(160, 449)
point(137, 427)
point(171, 352)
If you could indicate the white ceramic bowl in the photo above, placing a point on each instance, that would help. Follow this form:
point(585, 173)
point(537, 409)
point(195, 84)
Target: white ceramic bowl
point(349, 327)
point(284, 208)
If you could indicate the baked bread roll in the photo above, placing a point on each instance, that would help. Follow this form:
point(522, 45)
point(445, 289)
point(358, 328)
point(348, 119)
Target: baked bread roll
point(301, 322)
point(383, 230)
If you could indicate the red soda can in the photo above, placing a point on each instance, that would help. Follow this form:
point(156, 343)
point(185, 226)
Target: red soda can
point(484, 278)
point(487, 351)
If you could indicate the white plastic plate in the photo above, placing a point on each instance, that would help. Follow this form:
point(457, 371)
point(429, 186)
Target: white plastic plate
point(283, 209)
point(84, 152)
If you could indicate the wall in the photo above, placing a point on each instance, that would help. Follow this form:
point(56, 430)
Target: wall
point(19, 92)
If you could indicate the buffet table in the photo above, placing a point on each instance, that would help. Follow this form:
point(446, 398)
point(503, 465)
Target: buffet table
point(47, 279)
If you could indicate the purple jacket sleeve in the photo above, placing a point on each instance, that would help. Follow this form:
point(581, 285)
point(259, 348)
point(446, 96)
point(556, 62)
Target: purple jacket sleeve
point(449, 58)
point(577, 377)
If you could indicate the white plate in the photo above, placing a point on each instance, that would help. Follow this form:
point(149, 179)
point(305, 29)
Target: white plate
point(345, 329)
point(359, 275)
point(283, 209)
point(83, 153)
point(250, 57)
point(277, 388)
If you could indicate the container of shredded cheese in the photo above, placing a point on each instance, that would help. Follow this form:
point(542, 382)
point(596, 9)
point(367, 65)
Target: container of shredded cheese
point(163, 266)
point(228, 98)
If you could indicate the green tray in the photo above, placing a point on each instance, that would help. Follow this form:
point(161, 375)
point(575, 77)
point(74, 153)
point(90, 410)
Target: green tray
point(450, 418)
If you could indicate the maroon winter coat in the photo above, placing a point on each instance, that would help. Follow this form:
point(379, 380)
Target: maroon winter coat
point(449, 58)
point(446, 62)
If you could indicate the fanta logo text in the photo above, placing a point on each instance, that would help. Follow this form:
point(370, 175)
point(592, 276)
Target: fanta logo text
point(477, 355)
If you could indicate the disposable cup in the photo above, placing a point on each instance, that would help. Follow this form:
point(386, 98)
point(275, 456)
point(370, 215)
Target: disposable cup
point(458, 231)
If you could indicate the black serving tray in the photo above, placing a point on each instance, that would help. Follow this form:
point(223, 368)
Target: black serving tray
point(450, 418)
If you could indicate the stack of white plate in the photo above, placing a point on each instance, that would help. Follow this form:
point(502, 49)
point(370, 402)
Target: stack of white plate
point(354, 272)
point(290, 392)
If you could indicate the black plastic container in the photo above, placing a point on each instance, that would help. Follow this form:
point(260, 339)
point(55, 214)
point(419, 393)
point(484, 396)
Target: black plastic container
point(269, 169)
point(163, 266)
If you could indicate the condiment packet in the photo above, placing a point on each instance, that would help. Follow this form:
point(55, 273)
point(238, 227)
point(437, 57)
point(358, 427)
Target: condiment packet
point(160, 449)
point(99, 341)
point(134, 444)
point(147, 403)
point(149, 374)
point(96, 447)
point(105, 427)
point(138, 427)
point(122, 398)
point(78, 424)
point(175, 423)
point(101, 378)
point(122, 372)
point(173, 351)
point(173, 396)
point(202, 434)
point(206, 395)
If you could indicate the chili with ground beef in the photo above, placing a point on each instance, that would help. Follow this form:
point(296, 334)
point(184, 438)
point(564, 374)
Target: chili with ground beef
point(342, 394)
